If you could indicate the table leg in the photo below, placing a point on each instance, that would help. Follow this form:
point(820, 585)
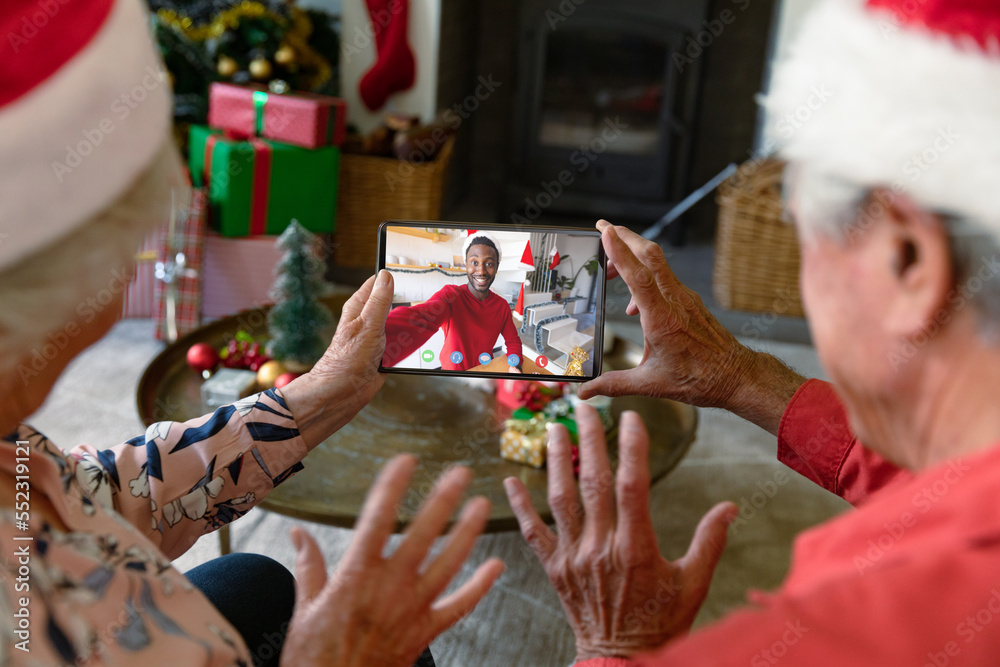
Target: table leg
point(224, 540)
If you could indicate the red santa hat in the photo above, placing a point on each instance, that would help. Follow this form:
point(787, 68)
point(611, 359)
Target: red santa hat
point(84, 108)
point(898, 93)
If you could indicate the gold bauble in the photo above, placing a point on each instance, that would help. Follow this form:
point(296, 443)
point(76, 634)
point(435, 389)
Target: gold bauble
point(227, 66)
point(285, 55)
point(269, 372)
point(260, 68)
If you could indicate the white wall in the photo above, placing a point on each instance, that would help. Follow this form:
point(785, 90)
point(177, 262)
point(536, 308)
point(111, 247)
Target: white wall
point(580, 249)
point(424, 30)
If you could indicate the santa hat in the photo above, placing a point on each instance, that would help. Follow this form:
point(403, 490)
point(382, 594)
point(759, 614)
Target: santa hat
point(898, 93)
point(84, 108)
point(473, 239)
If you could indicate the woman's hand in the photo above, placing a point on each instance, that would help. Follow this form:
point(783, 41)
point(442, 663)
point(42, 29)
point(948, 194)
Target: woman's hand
point(346, 378)
point(379, 610)
point(620, 595)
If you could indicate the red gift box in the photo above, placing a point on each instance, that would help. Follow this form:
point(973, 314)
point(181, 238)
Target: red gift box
point(301, 119)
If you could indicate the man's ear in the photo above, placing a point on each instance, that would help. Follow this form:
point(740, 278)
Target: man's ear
point(919, 264)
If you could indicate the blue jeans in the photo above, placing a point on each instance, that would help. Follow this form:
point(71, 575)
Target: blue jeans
point(256, 594)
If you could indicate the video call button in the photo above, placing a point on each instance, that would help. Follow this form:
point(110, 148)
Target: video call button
point(427, 356)
point(456, 357)
point(485, 358)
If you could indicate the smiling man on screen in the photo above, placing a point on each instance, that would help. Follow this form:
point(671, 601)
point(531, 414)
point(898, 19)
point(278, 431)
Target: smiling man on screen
point(471, 316)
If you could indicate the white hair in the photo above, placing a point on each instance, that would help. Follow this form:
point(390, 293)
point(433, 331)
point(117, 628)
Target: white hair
point(839, 209)
point(62, 287)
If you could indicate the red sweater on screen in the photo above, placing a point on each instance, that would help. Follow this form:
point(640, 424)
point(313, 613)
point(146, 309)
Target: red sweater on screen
point(470, 326)
point(912, 577)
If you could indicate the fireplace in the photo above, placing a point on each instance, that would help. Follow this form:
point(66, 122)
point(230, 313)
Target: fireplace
point(603, 115)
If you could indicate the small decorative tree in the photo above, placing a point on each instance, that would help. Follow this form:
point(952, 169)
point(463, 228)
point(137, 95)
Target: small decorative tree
point(297, 319)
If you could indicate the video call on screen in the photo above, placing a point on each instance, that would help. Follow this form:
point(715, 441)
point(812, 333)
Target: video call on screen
point(488, 301)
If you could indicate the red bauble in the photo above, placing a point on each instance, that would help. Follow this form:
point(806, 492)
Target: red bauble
point(284, 379)
point(202, 357)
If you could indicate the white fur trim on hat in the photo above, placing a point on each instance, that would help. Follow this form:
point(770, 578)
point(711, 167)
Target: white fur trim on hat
point(482, 235)
point(878, 104)
point(77, 141)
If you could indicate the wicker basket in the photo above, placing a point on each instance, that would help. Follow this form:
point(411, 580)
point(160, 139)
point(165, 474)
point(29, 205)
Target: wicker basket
point(756, 251)
point(373, 189)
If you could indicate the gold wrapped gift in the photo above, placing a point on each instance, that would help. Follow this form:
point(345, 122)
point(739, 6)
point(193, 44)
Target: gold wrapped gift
point(524, 441)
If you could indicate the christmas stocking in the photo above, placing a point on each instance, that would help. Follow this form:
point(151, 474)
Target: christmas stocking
point(394, 69)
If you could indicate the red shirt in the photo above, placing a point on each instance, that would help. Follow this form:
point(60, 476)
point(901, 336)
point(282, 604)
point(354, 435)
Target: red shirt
point(910, 578)
point(470, 327)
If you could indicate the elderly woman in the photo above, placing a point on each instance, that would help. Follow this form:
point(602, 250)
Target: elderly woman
point(88, 534)
point(894, 183)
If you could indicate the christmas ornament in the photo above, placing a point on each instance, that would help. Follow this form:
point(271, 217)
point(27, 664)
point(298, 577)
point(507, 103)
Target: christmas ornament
point(227, 66)
point(394, 69)
point(269, 372)
point(285, 55)
point(260, 68)
point(202, 357)
point(284, 379)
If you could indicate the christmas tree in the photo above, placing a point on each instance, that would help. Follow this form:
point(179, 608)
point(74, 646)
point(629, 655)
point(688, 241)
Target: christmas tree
point(298, 320)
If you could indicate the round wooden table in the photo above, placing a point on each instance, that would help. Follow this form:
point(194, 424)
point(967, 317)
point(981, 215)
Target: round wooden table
point(443, 421)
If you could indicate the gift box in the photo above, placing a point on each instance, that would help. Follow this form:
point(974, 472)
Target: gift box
point(138, 298)
point(227, 385)
point(524, 441)
point(300, 119)
point(180, 259)
point(528, 393)
point(258, 186)
point(237, 274)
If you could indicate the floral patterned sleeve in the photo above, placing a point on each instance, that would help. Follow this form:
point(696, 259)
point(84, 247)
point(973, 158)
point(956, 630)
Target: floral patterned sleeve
point(179, 481)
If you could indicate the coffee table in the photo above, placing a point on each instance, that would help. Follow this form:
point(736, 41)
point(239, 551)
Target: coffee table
point(443, 421)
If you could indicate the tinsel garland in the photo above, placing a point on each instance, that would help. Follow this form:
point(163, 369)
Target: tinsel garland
point(225, 20)
point(524, 316)
point(297, 27)
point(447, 272)
point(538, 329)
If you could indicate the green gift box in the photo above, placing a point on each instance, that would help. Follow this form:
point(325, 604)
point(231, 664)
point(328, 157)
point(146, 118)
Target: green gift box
point(257, 186)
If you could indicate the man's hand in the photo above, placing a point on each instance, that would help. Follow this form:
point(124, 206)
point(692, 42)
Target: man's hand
point(604, 562)
point(379, 610)
point(688, 355)
point(346, 378)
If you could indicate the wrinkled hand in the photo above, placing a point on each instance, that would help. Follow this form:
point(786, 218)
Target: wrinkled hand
point(514, 369)
point(346, 378)
point(620, 594)
point(384, 611)
point(688, 355)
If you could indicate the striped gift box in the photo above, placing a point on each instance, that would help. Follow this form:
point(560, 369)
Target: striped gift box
point(189, 237)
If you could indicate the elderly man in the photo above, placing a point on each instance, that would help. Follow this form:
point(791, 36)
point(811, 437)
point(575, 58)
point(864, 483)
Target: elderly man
point(899, 233)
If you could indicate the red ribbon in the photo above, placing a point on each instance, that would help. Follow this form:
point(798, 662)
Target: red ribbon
point(209, 148)
point(260, 185)
point(260, 189)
